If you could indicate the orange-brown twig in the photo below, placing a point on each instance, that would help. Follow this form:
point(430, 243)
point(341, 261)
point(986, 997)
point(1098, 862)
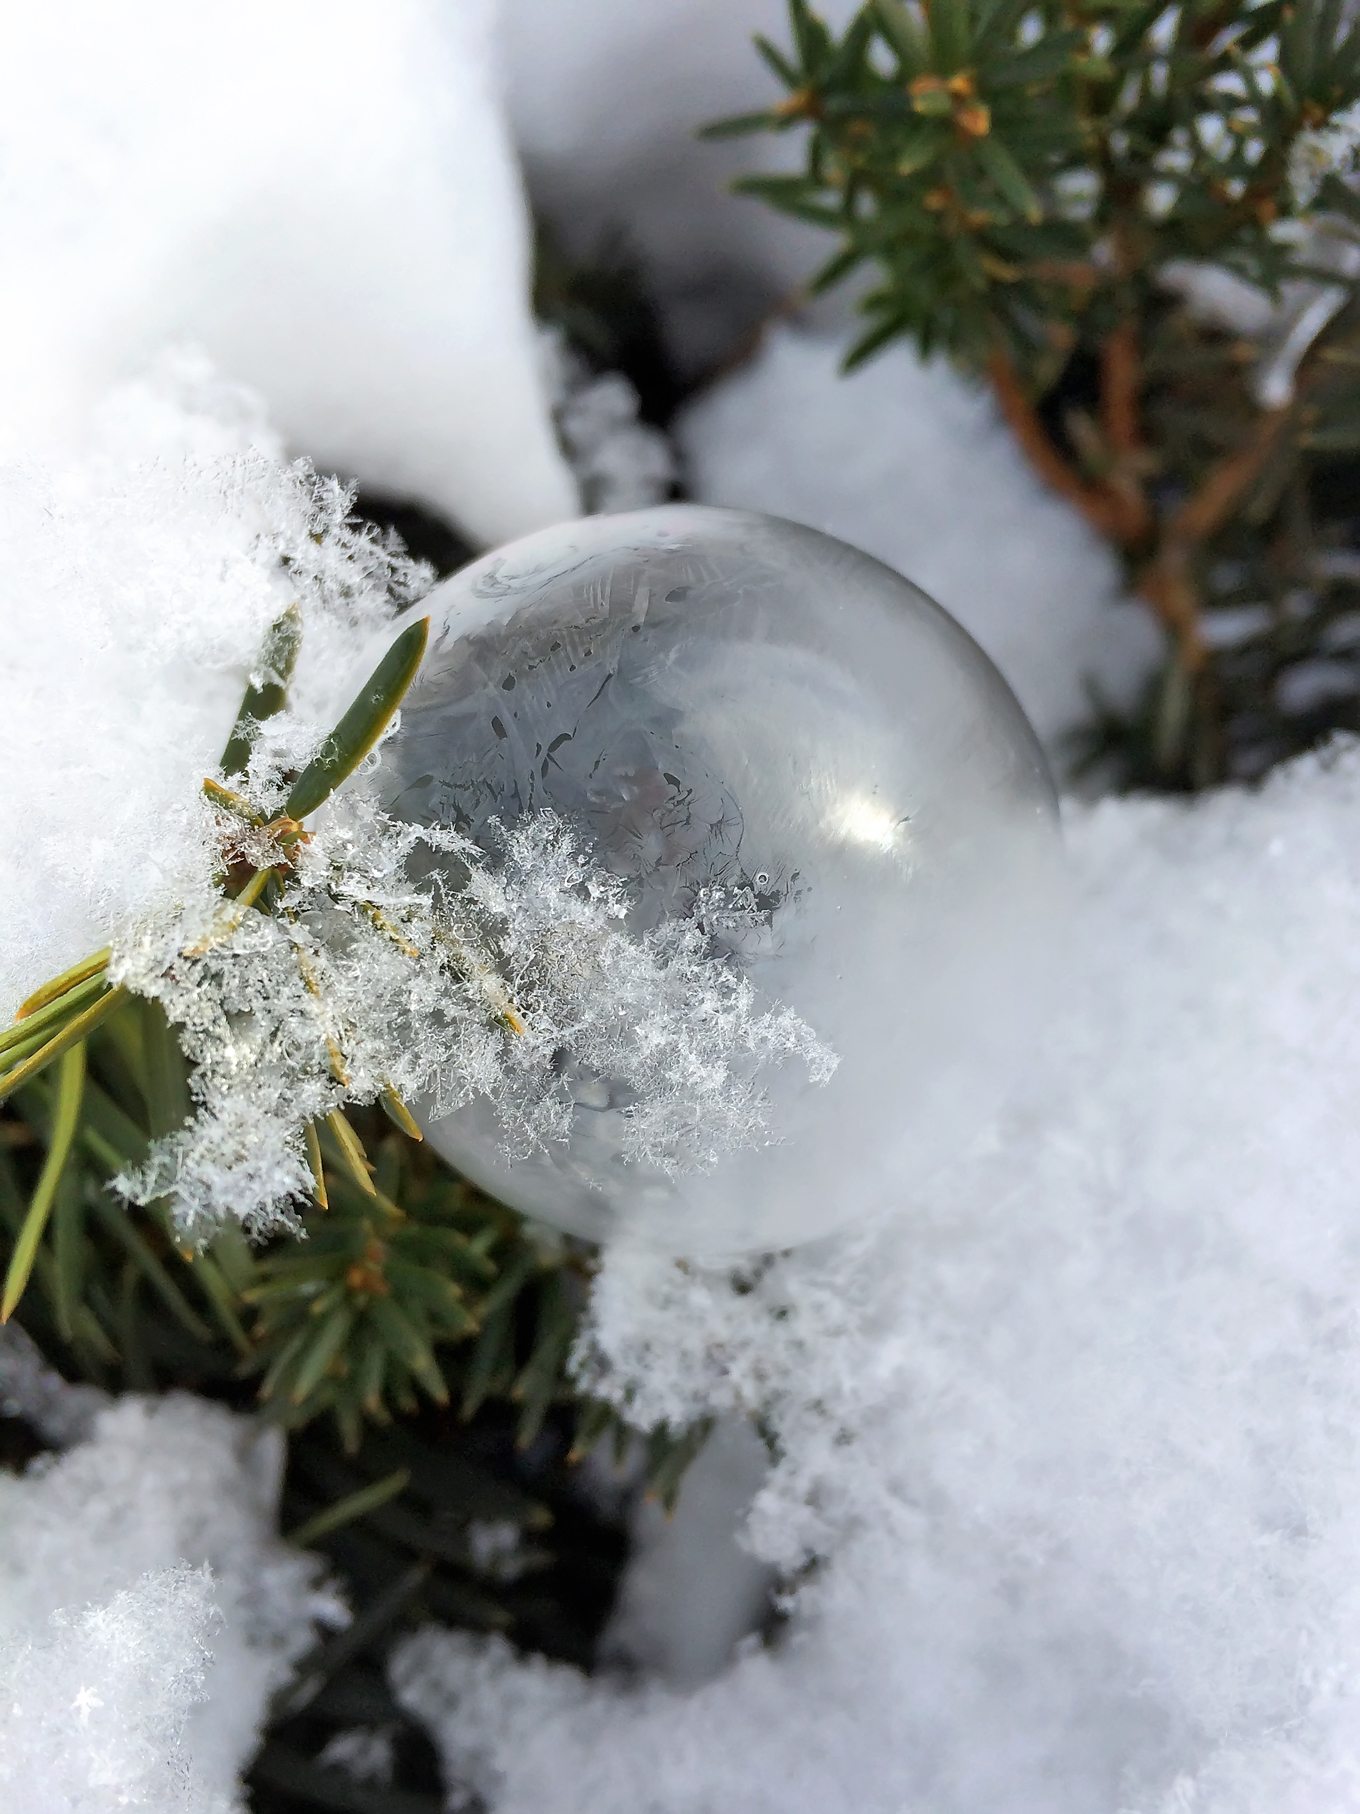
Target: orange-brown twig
point(1167, 585)
point(1119, 400)
point(1121, 424)
point(1167, 582)
point(1118, 508)
point(1204, 514)
point(1095, 502)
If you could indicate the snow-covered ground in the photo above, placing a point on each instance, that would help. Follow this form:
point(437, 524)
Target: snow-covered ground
point(1072, 1434)
point(1076, 1430)
point(148, 1609)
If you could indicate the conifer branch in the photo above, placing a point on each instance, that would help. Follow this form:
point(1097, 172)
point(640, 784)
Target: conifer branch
point(1028, 191)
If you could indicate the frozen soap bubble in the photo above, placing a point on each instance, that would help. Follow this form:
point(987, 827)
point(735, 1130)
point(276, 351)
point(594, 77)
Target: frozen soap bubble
point(723, 707)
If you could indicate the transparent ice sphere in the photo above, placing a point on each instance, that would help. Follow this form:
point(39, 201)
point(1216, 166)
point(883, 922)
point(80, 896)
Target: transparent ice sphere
point(717, 696)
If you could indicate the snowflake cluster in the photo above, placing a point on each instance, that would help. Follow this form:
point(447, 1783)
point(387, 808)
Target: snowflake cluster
point(400, 958)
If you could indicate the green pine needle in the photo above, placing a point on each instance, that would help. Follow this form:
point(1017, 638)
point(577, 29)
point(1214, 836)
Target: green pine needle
point(94, 965)
point(362, 725)
point(358, 1504)
point(267, 696)
point(72, 1033)
point(70, 1090)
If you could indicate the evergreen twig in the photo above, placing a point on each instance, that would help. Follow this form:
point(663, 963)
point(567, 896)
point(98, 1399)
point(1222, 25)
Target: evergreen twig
point(1023, 182)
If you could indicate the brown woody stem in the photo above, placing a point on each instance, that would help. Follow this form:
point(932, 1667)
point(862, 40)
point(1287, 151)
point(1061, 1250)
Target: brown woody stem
point(1204, 514)
point(1119, 390)
point(1096, 504)
point(1119, 510)
point(1167, 581)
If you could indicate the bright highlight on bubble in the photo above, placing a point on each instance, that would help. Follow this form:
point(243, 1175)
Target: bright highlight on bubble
point(863, 821)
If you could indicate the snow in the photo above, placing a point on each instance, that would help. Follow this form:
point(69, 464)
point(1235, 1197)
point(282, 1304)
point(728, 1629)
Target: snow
point(338, 222)
point(364, 1753)
point(96, 1703)
point(909, 462)
point(138, 580)
point(1332, 149)
point(1073, 1436)
point(606, 97)
point(691, 1591)
point(147, 1612)
point(58, 1410)
point(620, 463)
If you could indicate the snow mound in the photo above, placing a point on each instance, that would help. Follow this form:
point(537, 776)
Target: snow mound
point(909, 462)
point(1074, 1438)
point(137, 584)
point(323, 195)
point(147, 1612)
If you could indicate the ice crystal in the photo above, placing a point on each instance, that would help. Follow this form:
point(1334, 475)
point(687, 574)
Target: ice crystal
point(676, 1025)
point(401, 958)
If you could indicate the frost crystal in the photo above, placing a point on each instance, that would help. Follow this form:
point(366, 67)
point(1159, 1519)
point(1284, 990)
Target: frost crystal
point(674, 1024)
point(483, 977)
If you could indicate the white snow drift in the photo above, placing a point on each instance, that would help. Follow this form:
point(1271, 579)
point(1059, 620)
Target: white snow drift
point(147, 1612)
point(322, 194)
point(1076, 1434)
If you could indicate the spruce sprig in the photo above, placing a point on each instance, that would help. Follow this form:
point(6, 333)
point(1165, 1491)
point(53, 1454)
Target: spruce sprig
point(406, 1282)
point(1013, 168)
point(58, 1018)
point(1015, 183)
